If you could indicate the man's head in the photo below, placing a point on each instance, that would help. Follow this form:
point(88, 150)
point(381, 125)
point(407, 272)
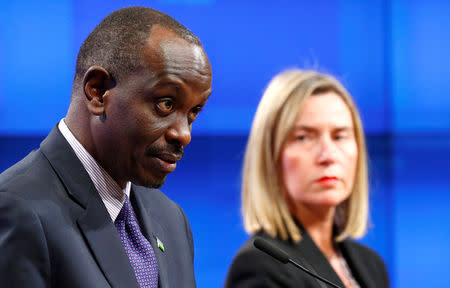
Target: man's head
point(116, 43)
point(141, 79)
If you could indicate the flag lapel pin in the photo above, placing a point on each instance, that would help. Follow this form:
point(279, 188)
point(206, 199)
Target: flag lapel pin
point(160, 244)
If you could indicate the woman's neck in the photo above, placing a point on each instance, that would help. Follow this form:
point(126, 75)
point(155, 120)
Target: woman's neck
point(318, 222)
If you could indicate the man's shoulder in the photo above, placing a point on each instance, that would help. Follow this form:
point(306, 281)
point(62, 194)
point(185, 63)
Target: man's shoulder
point(29, 173)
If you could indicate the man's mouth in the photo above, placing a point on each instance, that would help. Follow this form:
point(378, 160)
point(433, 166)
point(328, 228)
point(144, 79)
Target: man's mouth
point(167, 161)
point(169, 158)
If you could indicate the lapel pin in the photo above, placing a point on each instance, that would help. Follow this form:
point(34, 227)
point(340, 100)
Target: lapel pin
point(160, 244)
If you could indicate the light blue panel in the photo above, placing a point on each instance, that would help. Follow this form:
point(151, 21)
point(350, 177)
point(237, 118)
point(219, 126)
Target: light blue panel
point(379, 234)
point(247, 42)
point(422, 217)
point(251, 41)
point(187, 2)
point(421, 66)
point(2, 94)
point(36, 69)
point(362, 57)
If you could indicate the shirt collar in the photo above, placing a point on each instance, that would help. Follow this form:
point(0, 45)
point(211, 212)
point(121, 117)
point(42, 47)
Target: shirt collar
point(110, 192)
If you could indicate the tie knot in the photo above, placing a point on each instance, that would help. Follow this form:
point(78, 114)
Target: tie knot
point(126, 212)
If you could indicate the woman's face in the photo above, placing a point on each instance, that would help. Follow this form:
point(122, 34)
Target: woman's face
point(319, 158)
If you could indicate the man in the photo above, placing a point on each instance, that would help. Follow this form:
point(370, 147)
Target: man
point(78, 212)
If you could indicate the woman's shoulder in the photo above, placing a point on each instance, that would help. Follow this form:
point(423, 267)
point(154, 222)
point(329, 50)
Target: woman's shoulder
point(248, 253)
point(366, 261)
point(362, 251)
point(249, 246)
point(252, 267)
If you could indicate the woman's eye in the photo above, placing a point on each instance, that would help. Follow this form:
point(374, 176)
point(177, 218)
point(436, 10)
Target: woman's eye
point(165, 106)
point(301, 138)
point(340, 136)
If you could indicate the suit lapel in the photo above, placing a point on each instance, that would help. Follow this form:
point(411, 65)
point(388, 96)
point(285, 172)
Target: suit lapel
point(94, 222)
point(103, 239)
point(68, 167)
point(152, 230)
point(310, 253)
point(359, 270)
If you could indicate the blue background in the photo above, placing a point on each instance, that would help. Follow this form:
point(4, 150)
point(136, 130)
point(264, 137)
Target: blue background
point(392, 55)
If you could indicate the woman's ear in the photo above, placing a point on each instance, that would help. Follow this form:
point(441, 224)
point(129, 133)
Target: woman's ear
point(97, 82)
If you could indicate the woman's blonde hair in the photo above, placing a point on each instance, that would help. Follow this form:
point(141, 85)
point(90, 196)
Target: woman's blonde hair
point(264, 206)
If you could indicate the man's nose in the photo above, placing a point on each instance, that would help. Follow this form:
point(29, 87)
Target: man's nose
point(179, 132)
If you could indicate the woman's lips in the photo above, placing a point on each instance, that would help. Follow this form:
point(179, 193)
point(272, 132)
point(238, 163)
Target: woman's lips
point(329, 181)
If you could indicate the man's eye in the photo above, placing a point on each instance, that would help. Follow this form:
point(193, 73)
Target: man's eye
point(194, 113)
point(165, 106)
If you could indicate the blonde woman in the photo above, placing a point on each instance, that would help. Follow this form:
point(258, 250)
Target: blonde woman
point(305, 188)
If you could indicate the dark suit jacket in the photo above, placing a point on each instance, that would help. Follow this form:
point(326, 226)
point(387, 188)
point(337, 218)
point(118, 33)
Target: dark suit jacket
point(253, 268)
point(56, 232)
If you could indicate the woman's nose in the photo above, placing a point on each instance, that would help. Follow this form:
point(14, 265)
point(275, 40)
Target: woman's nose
point(326, 151)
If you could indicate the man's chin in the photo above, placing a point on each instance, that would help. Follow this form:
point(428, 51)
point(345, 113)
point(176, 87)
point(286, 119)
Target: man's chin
point(154, 183)
point(151, 181)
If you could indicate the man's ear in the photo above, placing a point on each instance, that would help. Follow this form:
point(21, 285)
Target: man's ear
point(97, 82)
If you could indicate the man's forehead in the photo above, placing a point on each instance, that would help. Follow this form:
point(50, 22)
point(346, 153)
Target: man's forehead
point(165, 38)
point(165, 47)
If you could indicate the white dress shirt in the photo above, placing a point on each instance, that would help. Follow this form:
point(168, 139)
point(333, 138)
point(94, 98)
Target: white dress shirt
point(112, 195)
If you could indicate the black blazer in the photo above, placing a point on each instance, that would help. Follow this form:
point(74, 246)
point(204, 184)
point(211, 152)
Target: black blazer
point(56, 232)
point(253, 268)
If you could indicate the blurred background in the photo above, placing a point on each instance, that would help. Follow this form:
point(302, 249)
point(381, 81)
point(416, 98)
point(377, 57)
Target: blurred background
point(393, 56)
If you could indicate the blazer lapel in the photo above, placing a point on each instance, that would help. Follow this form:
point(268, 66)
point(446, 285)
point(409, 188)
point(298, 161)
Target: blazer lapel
point(94, 222)
point(152, 230)
point(359, 271)
point(106, 245)
point(309, 252)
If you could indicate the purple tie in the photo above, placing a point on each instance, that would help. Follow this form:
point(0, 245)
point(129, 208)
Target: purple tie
point(140, 252)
